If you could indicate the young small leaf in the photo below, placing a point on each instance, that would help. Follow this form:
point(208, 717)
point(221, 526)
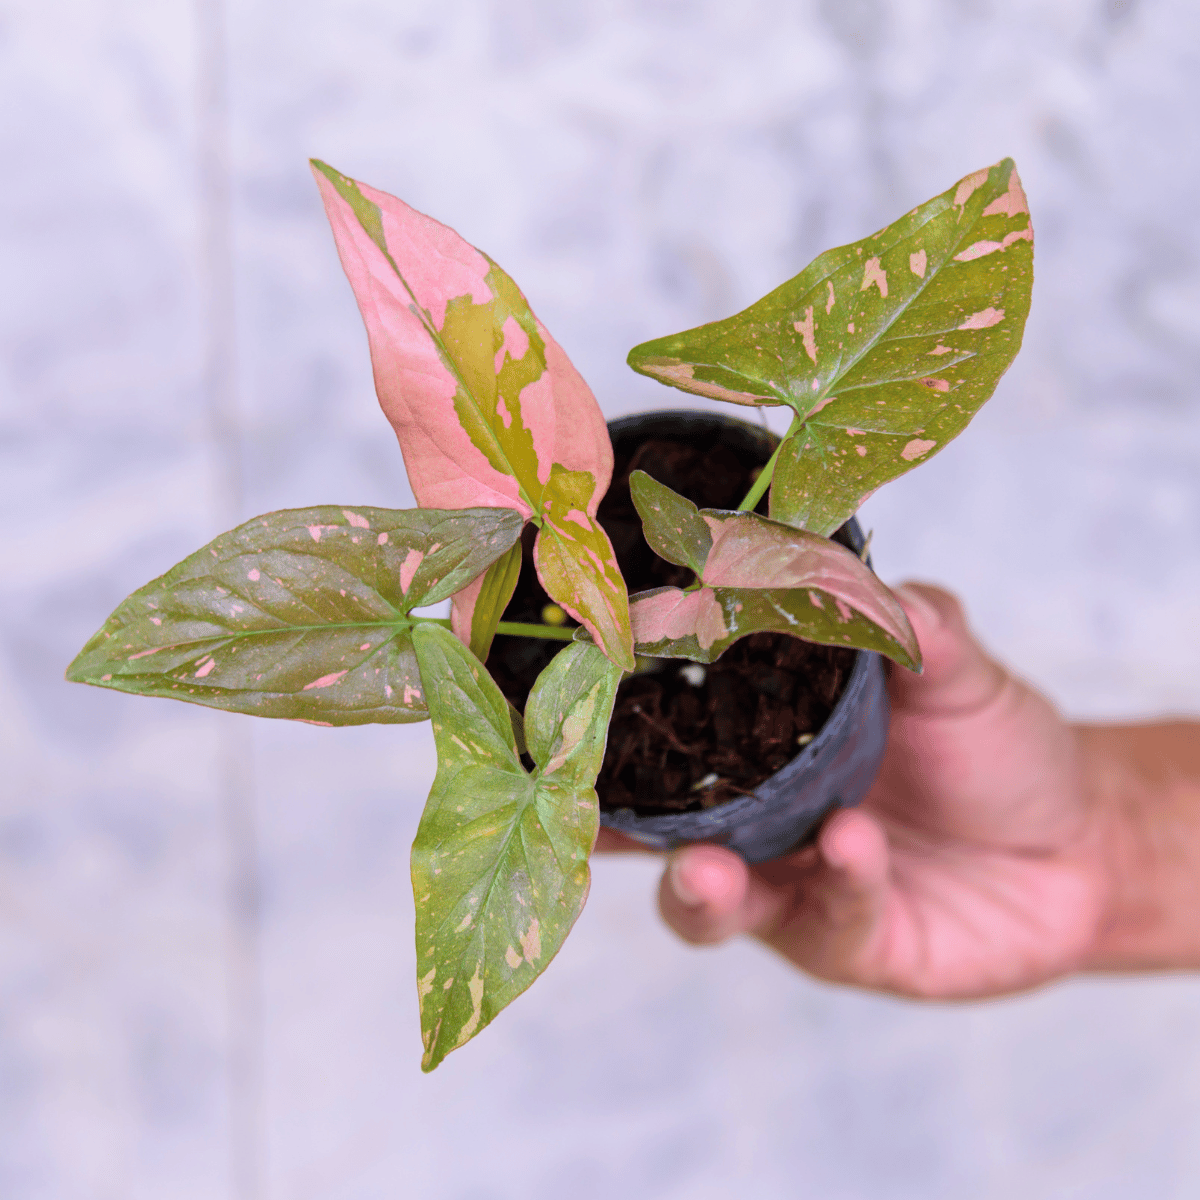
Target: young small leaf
point(760, 575)
point(672, 523)
point(566, 718)
point(487, 407)
point(499, 864)
point(885, 348)
point(298, 614)
point(703, 624)
point(477, 609)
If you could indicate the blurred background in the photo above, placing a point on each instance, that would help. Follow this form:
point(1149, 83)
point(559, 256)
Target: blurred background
point(206, 961)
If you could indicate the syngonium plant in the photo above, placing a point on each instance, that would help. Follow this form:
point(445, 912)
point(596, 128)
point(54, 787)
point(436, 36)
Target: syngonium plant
point(883, 350)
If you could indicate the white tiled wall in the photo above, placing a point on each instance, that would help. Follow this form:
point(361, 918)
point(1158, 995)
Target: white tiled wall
point(205, 925)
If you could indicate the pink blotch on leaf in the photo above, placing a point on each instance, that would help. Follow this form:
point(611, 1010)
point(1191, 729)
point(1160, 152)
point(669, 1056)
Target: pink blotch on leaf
point(253, 575)
point(206, 668)
point(1012, 202)
point(805, 330)
point(967, 186)
point(916, 448)
point(515, 344)
point(983, 320)
point(408, 568)
point(873, 273)
point(979, 249)
point(674, 614)
point(325, 681)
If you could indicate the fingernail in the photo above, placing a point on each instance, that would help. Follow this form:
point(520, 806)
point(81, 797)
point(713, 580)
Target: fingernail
point(918, 606)
point(683, 893)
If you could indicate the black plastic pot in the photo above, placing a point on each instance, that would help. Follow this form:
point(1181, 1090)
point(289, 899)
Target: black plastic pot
point(836, 768)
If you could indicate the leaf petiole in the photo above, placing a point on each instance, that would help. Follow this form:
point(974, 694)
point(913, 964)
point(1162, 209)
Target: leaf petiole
point(518, 629)
point(760, 485)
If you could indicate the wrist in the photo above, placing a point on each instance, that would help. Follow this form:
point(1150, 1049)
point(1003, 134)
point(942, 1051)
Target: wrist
point(1143, 785)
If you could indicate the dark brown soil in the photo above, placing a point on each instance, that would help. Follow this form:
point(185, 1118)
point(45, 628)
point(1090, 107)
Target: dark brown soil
point(685, 736)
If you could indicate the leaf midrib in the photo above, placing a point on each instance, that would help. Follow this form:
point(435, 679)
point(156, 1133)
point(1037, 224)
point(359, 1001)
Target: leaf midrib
point(396, 626)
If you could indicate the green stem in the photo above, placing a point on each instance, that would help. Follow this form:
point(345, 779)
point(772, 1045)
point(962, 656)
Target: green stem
point(760, 485)
point(520, 629)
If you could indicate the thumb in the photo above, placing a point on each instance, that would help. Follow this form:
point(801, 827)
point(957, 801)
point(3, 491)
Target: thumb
point(959, 676)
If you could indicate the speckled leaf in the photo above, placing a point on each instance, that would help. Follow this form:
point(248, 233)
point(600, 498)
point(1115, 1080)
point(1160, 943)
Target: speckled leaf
point(885, 348)
point(671, 522)
point(703, 624)
point(761, 575)
point(487, 407)
point(298, 614)
point(578, 568)
point(499, 864)
point(477, 609)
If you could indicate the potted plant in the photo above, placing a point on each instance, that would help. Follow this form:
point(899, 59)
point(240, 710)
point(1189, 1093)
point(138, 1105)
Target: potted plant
point(883, 349)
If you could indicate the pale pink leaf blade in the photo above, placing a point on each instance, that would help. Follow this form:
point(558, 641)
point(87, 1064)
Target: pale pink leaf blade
point(483, 401)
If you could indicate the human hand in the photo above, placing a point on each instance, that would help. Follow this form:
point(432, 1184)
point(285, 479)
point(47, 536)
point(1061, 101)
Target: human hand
point(975, 866)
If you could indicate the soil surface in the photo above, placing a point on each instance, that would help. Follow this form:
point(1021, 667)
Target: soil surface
point(685, 736)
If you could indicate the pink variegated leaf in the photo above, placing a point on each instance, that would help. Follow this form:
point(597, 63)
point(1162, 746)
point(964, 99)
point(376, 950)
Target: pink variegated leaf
point(487, 407)
point(703, 624)
point(760, 575)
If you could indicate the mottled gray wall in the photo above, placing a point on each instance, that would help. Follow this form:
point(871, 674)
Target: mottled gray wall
point(206, 971)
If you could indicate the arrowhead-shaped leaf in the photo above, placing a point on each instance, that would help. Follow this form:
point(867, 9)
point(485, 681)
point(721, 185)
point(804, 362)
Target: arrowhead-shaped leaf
point(885, 348)
point(298, 614)
point(487, 407)
point(672, 523)
point(499, 864)
point(761, 576)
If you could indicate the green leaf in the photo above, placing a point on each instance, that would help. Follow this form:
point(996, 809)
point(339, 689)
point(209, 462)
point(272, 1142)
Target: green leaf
point(478, 608)
point(885, 348)
point(672, 523)
point(499, 864)
point(299, 614)
point(566, 718)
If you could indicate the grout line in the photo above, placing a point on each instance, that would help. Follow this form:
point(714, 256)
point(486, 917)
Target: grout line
point(243, 951)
